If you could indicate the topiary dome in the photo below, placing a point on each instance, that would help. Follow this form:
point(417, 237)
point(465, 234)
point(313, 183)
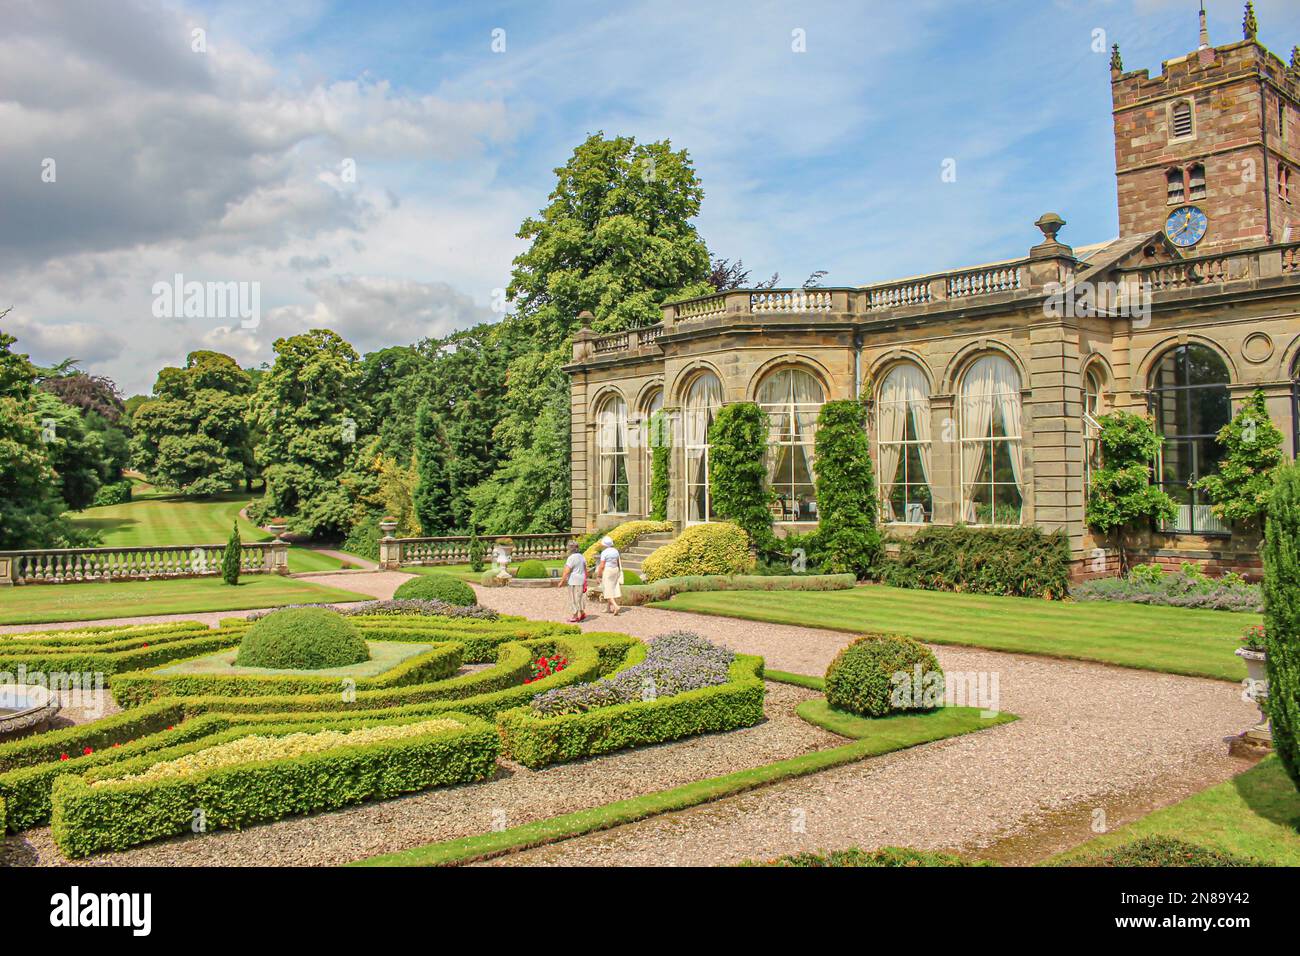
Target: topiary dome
point(309, 638)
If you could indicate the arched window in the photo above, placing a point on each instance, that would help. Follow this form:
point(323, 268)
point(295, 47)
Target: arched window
point(1190, 402)
point(992, 458)
point(649, 440)
point(903, 445)
point(703, 399)
point(611, 452)
point(792, 399)
point(1092, 412)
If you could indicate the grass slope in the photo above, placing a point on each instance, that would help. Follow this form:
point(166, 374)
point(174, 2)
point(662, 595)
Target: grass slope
point(157, 519)
point(1256, 814)
point(888, 735)
point(1169, 639)
point(45, 603)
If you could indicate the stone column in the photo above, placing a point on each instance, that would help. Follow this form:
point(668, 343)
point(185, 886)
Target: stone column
point(279, 556)
point(7, 565)
point(390, 551)
point(1053, 442)
point(945, 461)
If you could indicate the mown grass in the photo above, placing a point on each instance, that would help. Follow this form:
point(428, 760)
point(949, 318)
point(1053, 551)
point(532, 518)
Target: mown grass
point(465, 572)
point(46, 603)
point(1256, 814)
point(157, 519)
point(1168, 639)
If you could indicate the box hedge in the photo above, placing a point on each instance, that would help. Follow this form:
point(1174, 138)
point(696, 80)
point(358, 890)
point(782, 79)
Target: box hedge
point(536, 741)
point(119, 814)
point(436, 587)
point(1015, 561)
point(312, 638)
point(662, 590)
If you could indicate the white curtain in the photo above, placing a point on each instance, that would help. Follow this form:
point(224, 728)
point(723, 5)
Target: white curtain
point(1008, 398)
point(991, 386)
point(891, 420)
point(612, 442)
point(703, 399)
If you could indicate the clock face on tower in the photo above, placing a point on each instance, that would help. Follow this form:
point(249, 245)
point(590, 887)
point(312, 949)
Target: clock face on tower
point(1186, 226)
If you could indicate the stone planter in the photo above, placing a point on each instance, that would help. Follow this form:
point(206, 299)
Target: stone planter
point(1256, 684)
point(387, 526)
point(25, 709)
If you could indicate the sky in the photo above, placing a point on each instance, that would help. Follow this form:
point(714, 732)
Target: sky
point(365, 166)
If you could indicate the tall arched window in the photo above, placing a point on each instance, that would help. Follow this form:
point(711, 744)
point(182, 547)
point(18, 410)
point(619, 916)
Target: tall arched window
point(703, 399)
point(792, 399)
point(1190, 402)
point(903, 445)
point(611, 452)
point(649, 440)
point(1092, 412)
point(992, 458)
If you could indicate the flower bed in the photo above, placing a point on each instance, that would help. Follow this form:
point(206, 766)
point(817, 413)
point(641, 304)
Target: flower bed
point(1188, 587)
point(691, 692)
point(401, 606)
point(106, 809)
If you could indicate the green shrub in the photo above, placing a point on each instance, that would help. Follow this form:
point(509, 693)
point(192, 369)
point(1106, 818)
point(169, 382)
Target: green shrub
point(624, 536)
point(1162, 851)
point(1281, 555)
point(230, 557)
point(631, 577)
point(1120, 495)
point(718, 547)
point(1016, 561)
point(1252, 444)
point(363, 539)
point(436, 587)
point(847, 538)
point(660, 465)
point(664, 589)
point(884, 856)
point(1148, 584)
point(738, 470)
point(117, 493)
point(532, 569)
point(307, 638)
point(876, 676)
point(477, 553)
point(536, 741)
point(489, 579)
point(116, 814)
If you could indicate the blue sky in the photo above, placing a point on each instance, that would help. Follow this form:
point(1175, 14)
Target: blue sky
point(829, 158)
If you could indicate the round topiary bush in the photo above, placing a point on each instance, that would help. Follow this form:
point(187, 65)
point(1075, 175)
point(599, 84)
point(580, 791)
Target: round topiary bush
point(877, 675)
point(531, 569)
point(307, 638)
point(719, 547)
point(437, 587)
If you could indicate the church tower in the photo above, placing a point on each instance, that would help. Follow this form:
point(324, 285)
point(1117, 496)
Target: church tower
point(1208, 152)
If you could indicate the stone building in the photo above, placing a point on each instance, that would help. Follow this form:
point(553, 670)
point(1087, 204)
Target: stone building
point(984, 384)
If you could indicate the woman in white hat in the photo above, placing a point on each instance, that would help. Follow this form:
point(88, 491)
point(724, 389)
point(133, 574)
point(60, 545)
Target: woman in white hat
point(609, 571)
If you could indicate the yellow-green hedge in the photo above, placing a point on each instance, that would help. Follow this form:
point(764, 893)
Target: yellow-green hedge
point(625, 536)
point(716, 548)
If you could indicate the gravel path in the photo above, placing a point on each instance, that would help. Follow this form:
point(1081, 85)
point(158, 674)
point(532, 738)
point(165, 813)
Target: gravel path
point(1087, 733)
point(517, 795)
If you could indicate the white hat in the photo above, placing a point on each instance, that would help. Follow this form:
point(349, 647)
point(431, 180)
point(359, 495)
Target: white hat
point(607, 541)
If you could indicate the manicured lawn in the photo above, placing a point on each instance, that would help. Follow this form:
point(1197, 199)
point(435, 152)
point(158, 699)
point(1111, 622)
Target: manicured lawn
point(1256, 814)
point(1170, 639)
point(161, 519)
point(43, 603)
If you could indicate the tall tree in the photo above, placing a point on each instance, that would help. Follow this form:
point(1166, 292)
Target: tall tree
point(193, 435)
point(1252, 447)
point(433, 490)
point(308, 411)
point(1281, 554)
point(615, 239)
point(1121, 495)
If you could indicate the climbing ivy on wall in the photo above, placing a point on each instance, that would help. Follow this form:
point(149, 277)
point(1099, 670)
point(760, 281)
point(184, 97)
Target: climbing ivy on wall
point(738, 473)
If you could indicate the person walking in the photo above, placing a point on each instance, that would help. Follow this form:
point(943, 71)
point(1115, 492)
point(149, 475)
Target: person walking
point(574, 576)
point(609, 570)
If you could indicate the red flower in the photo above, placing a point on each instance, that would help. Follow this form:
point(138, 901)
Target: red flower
point(63, 756)
point(88, 751)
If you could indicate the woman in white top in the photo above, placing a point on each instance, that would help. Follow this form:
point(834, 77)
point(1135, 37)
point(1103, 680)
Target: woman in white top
point(610, 572)
point(575, 576)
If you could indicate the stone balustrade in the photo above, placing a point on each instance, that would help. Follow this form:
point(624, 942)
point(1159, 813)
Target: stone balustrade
point(1199, 271)
point(73, 565)
point(454, 549)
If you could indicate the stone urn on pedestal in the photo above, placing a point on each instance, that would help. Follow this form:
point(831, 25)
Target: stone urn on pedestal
point(501, 558)
point(390, 557)
point(1253, 652)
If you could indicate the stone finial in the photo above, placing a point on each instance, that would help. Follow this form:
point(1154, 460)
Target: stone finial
point(1050, 224)
point(1116, 61)
point(585, 318)
point(1249, 25)
point(1205, 29)
point(1295, 61)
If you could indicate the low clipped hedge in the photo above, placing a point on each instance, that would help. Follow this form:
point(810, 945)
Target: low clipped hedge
point(885, 856)
point(87, 819)
point(125, 654)
point(1162, 851)
point(1016, 562)
point(624, 536)
point(133, 688)
point(861, 679)
point(307, 638)
point(436, 587)
point(663, 590)
point(536, 741)
point(718, 547)
point(531, 570)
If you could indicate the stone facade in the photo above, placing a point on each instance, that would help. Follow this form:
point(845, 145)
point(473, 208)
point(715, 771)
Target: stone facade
point(1062, 318)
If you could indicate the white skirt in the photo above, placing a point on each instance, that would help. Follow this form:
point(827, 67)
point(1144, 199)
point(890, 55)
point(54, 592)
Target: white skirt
point(611, 583)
